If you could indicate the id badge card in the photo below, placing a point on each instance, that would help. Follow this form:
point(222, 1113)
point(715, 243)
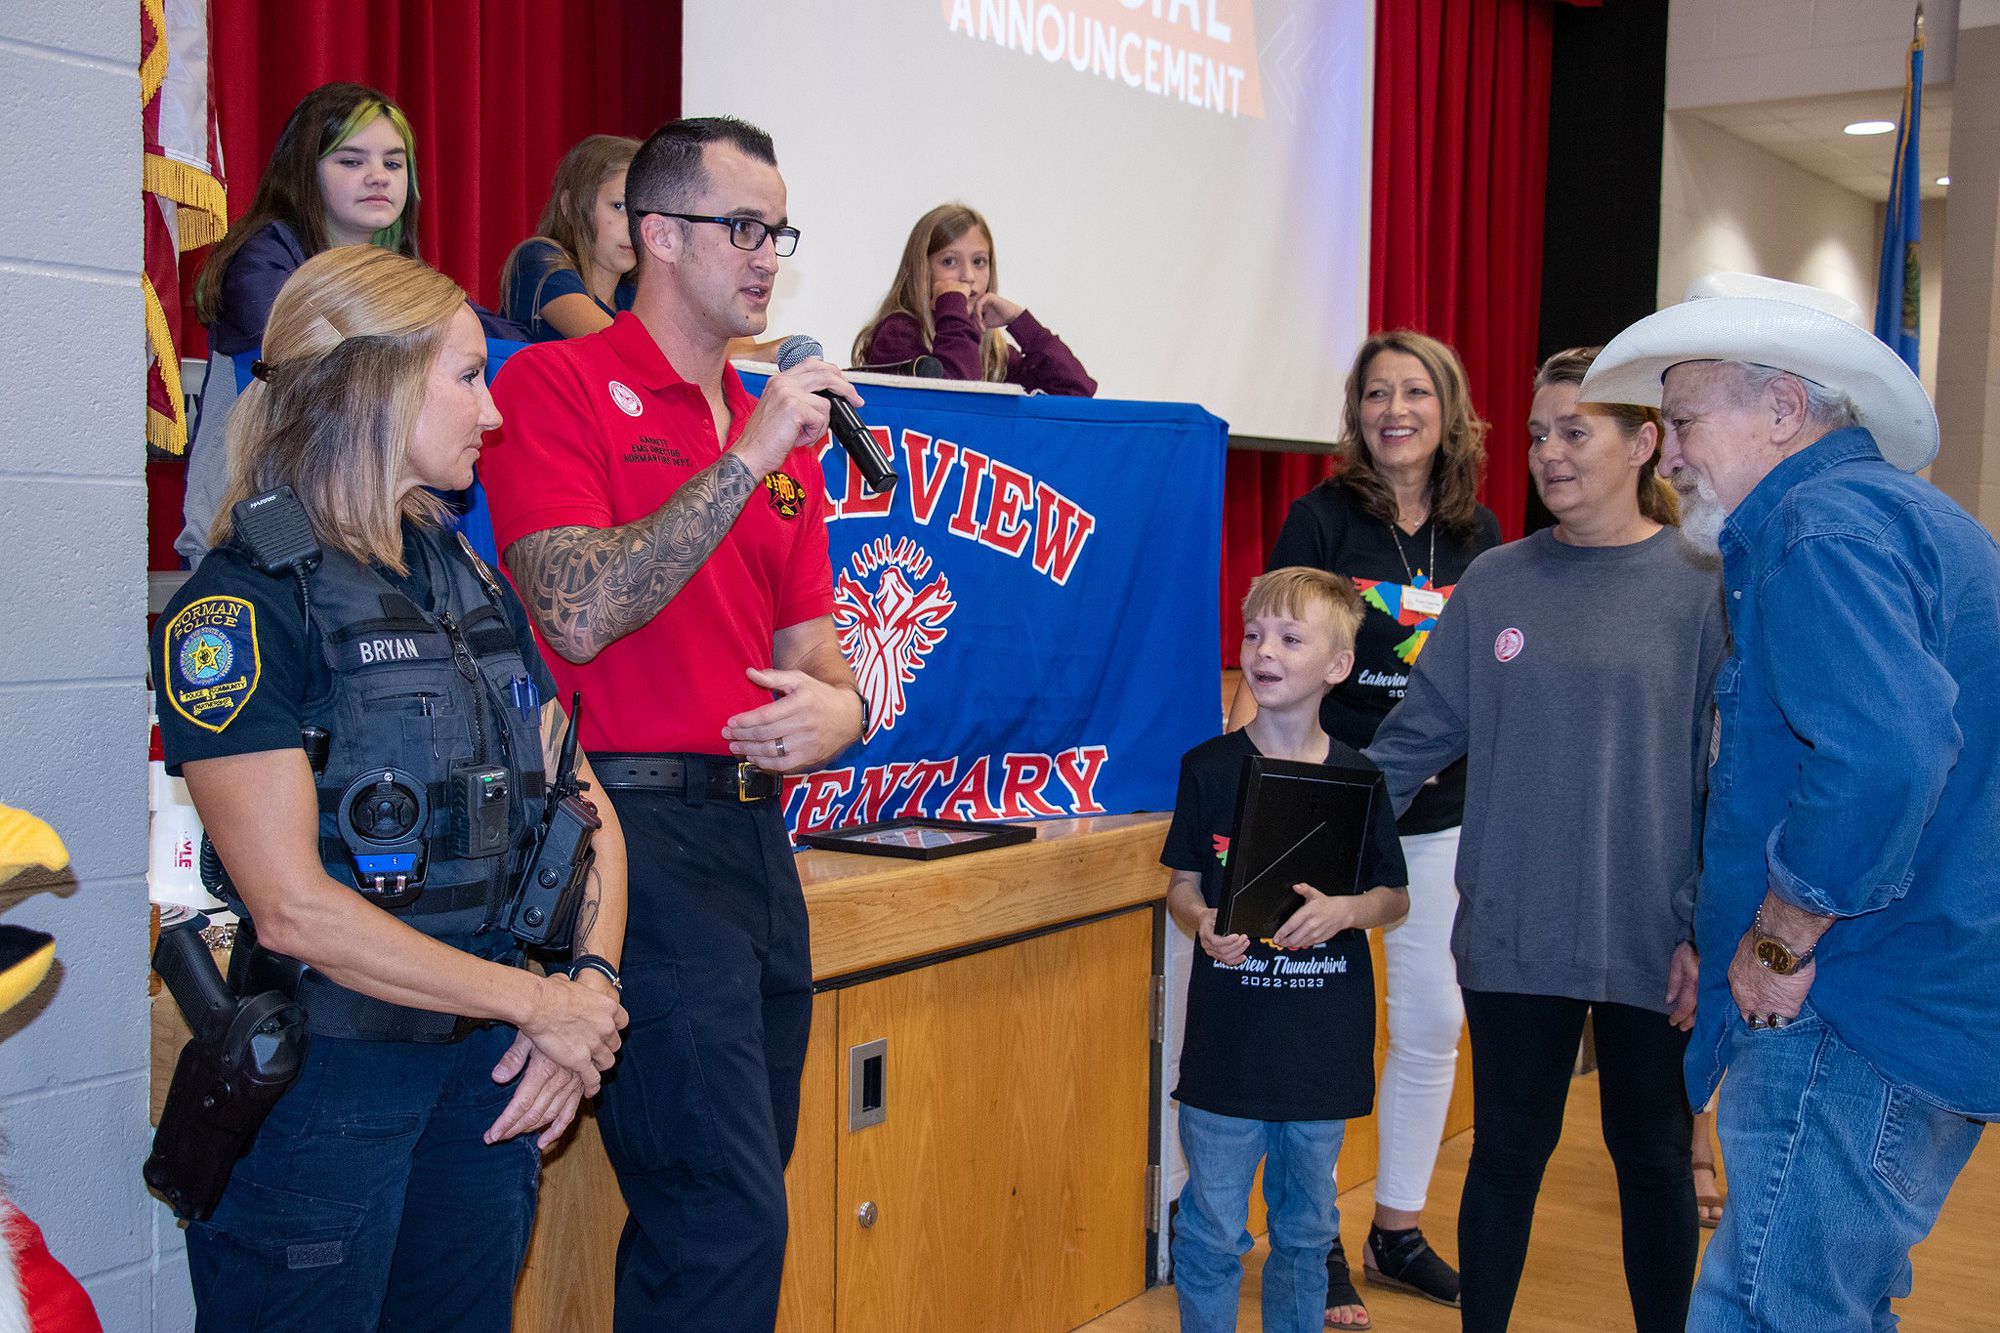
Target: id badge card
point(1423, 601)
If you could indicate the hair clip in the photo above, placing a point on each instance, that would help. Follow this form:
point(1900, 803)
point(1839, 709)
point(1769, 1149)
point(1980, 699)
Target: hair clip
point(262, 370)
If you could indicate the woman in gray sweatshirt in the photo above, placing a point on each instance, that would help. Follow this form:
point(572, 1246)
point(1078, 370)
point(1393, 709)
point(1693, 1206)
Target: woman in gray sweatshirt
point(1572, 669)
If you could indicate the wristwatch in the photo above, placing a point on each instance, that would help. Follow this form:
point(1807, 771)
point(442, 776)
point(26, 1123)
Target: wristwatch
point(866, 711)
point(1774, 953)
point(590, 962)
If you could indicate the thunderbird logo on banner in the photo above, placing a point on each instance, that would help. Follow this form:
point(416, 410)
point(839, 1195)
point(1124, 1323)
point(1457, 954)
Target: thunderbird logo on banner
point(1030, 613)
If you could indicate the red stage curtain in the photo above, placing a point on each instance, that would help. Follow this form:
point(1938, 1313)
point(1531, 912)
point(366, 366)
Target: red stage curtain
point(496, 90)
point(1460, 162)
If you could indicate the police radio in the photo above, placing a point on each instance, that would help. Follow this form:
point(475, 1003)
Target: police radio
point(549, 888)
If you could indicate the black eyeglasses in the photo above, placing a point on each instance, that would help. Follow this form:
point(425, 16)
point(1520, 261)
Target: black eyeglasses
point(744, 233)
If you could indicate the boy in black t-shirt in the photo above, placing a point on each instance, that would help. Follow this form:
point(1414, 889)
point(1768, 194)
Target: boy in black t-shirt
point(1280, 1043)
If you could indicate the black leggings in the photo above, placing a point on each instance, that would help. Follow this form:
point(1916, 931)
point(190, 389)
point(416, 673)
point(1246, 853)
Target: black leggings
point(1523, 1052)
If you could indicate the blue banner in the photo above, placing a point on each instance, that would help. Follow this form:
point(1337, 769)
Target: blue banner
point(1899, 285)
point(1030, 613)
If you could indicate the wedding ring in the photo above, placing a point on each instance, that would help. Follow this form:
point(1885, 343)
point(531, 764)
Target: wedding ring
point(781, 747)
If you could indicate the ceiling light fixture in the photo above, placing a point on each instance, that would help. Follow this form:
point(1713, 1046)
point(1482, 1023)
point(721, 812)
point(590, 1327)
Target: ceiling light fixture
point(1870, 127)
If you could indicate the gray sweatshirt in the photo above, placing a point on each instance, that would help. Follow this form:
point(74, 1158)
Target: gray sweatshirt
point(1577, 681)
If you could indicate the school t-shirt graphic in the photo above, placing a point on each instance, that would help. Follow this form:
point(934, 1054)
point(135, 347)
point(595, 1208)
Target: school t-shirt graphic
point(1393, 600)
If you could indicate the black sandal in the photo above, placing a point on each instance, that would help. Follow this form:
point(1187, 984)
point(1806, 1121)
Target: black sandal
point(1405, 1261)
point(1340, 1287)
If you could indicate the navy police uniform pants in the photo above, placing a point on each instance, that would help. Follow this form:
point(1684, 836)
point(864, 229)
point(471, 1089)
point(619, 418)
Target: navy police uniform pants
point(369, 1200)
point(699, 1115)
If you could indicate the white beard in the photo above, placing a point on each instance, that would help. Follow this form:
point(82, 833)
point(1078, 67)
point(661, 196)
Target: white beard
point(1702, 513)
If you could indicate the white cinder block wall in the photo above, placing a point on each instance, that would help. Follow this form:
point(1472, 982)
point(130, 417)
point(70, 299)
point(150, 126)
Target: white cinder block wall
point(73, 1058)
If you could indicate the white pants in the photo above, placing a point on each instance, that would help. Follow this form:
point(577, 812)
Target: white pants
point(1425, 1015)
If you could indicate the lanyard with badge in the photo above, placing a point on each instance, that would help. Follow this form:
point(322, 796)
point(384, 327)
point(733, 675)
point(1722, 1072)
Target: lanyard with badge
point(1424, 601)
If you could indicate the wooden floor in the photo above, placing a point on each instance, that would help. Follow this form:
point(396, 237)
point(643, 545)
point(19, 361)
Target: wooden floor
point(1574, 1280)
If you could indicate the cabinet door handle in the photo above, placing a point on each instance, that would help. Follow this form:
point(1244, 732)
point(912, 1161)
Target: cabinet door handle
point(865, 1214)
point(867, 1084)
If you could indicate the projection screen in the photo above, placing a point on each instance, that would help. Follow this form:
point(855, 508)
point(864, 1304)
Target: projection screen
point(1179, 188)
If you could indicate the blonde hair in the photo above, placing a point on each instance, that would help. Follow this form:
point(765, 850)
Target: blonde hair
point(910, 293)
point(1460, 461)
point(1657, 500)
point(346, 362)
point(1298, 590)
point(569, 218)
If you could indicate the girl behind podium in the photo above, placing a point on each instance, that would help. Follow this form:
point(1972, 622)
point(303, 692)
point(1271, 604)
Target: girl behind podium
point(945, 302)
point(574, 274)
point(343, 172)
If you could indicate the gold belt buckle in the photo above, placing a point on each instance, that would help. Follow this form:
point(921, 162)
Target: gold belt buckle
point(744, 768)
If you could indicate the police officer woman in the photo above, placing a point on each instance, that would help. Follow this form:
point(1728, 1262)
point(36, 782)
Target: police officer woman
point(394, 1184)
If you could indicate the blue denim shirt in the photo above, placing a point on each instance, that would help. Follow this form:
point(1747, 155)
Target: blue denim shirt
point(1856, 771)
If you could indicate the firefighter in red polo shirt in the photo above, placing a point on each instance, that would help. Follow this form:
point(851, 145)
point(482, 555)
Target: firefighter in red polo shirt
point(667, 534)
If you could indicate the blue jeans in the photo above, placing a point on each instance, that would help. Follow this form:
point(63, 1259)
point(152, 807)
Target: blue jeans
point(1834, 1173)
point(369, 1200)
point(1210, 1238)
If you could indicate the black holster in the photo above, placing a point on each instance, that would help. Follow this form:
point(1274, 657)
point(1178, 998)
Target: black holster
point(243, 1055)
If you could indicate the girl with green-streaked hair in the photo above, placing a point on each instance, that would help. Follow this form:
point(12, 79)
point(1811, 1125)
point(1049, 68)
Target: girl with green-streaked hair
point(343, 172)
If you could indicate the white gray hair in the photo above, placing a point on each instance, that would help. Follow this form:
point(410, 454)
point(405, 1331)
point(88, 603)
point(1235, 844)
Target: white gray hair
point(1829, 409)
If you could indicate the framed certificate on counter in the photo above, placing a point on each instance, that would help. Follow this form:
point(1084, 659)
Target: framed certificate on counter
point(1295, 824)
point(917, 839)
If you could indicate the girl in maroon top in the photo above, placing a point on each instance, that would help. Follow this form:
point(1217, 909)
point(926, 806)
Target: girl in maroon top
point(945, 303)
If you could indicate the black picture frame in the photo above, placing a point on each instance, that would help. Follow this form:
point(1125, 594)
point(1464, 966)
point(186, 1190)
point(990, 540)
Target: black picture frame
point(1294, 823)
point(914, 838)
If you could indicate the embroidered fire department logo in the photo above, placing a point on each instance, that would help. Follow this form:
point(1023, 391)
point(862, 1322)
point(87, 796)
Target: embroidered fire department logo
point(886, 632)
point(787, 496)
point(627, 401)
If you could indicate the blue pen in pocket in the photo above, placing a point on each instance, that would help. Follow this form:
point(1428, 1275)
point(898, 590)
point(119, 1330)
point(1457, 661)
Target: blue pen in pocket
point(527, 697)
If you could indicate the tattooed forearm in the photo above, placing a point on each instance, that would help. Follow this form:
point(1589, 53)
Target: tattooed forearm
point(589, 587)
point(586, 916)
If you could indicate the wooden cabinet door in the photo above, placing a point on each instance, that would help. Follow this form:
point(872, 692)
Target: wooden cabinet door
point(805, 1301)
point(1008, 1179)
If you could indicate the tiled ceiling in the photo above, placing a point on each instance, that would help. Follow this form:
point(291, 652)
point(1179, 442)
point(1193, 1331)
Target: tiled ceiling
point(1807, 131)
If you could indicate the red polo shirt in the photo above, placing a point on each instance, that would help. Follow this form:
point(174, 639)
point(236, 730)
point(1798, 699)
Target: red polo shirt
point(600, 431)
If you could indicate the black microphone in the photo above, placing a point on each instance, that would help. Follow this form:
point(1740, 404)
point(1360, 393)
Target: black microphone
point(846, 426)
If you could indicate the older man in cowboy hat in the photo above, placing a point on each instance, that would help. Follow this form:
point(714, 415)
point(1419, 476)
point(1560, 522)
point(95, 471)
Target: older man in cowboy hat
point(1849, 912)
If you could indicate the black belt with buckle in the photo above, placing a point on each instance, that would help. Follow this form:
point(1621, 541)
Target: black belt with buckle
point(721, 777)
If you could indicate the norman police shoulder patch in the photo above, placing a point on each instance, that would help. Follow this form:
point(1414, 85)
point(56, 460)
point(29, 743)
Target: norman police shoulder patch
point(211, 663)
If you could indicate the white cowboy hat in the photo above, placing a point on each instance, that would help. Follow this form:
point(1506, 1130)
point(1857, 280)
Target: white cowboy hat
point(1811, 333)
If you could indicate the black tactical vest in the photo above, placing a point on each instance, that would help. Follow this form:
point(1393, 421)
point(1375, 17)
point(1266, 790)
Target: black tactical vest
point(415, 689)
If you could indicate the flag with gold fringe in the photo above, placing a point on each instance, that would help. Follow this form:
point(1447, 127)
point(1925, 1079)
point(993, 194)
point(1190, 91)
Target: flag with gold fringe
point(1899, 288)
point(186, 204)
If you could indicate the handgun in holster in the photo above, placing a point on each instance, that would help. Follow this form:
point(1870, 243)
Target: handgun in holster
point(243, 1055)
point(549, 887)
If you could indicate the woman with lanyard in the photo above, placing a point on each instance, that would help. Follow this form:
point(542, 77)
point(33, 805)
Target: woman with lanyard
point(1401, 519)
point(323, 682)
point(1574, 672)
